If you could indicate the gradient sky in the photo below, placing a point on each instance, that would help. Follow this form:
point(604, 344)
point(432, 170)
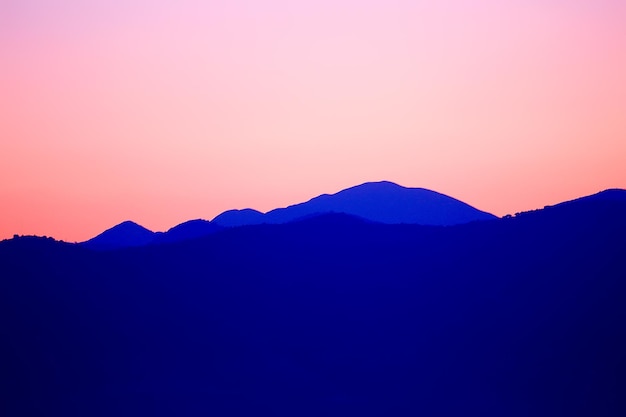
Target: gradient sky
point(164, 111)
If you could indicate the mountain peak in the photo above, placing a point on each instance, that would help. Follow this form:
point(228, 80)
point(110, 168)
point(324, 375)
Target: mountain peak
point(236, 217)
point(125, 234)
point(376, 186)
point(383, 183)
point(128, 224)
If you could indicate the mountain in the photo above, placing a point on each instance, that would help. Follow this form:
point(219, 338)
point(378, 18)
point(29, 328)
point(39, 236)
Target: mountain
point(130, 234)
point(234, 218)
point(124, 235)
point(188, 230)
point(383, 202)
point(328, 315)
point(591, 208)
point(612, 194)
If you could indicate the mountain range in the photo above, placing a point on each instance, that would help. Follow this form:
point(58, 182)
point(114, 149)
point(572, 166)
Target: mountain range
point(329, 314)
point(382, 202)
point(130, 234)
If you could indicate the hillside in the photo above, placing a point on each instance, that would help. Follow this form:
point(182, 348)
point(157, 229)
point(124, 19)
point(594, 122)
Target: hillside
point(330, 315)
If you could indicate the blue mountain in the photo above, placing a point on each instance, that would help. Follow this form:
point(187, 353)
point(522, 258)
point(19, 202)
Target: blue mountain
point(329, 315)
point(383, 202)
point(124, 235)
point(233, 218)
point(130, 234)
point(191, 229)
point(612, 194)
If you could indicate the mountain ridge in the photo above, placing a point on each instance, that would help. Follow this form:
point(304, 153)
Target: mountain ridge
point(482, 316)
point(366, 205)
point(380, 201)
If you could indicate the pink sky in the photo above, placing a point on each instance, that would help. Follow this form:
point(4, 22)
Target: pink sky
point(160, 112)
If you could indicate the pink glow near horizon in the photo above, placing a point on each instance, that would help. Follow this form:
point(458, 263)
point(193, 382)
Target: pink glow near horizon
point(161, 113)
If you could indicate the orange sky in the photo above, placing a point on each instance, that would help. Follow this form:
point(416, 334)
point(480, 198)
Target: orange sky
point(160, 112)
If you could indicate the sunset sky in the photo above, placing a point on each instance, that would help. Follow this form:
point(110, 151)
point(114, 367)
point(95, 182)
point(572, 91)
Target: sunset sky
point(164, 111)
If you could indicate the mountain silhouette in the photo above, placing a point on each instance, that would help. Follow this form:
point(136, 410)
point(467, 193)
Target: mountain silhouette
point(130, 234)
point(234, 218)
point(329, 315)
point(380, 202)
point(124, 235)
point(188, 230)
point(383, 202)
point(612, 194)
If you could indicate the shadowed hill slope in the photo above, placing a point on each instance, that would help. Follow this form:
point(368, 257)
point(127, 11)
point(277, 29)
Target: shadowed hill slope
point(330, 315)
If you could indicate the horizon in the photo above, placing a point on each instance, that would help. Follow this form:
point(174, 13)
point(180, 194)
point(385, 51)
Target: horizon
point(211, 219)
point(161, 113)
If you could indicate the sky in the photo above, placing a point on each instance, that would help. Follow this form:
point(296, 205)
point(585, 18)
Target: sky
point(164, 111)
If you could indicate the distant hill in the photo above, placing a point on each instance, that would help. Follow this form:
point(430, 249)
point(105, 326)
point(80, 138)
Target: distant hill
point(233, 218)
point(613, 194)
point(130, 234)
point(379, 202)
point(383, 202)
point(191, 229)
point(124, 235)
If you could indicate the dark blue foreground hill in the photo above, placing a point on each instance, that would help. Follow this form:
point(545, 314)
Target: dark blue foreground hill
point(613, 194)
point(383, 202)
point(330, 315)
